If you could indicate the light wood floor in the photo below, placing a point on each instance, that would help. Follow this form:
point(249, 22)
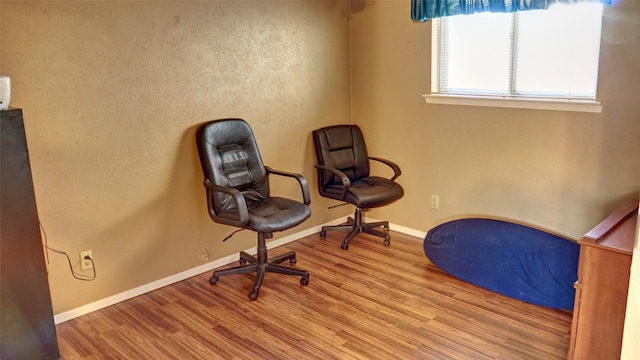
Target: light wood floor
point(370, 302)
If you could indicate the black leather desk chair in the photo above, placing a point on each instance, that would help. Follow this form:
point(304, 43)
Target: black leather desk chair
point(237, 187)
point(343, 174)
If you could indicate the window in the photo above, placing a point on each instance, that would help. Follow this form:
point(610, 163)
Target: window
point(539, 55)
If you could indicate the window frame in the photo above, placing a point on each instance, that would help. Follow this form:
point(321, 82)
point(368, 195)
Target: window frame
point(505, 101)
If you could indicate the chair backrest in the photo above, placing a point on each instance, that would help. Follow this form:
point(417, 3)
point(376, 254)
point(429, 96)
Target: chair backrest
point(229, 157)
point(341, 147)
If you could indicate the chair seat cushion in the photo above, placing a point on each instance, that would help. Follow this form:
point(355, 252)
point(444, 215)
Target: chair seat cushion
point(273, 214)
point(369, 192)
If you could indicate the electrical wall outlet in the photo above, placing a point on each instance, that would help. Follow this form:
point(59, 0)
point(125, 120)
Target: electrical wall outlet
point(435, 202)
point(86, 264)
point(204, 255)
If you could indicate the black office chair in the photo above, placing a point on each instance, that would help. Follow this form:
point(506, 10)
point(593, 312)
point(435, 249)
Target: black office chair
point(237, 186)
point(343, 174)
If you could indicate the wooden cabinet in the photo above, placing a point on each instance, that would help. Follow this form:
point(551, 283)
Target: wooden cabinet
point(602, 286)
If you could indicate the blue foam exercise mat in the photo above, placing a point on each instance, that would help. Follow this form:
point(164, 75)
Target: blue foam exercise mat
point(511, 259)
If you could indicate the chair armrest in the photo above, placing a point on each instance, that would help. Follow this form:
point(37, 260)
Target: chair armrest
point(346, 183)
point(241, 204)
point(301, 180)
point(392, 165)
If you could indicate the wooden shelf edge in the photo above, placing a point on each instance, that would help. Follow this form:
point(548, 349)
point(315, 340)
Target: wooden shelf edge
point(610, 223)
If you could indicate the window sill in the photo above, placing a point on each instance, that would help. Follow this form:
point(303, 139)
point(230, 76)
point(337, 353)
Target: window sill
point(517, 103)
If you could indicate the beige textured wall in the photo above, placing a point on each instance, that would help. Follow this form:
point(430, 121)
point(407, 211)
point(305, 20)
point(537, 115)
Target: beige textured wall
point(112, 93)
point(559, 171)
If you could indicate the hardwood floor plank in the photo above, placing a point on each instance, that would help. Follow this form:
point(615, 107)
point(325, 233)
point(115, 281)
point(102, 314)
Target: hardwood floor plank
point(370, 302)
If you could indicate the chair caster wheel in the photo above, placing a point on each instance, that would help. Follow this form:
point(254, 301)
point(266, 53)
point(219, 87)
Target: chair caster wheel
point(253, 295)
point(213, 280)
point(344, 246)
point(385, 228)
point(293, 260)
point(323, 234)
point(242, 261)
point(304, 280)
point(387, 241)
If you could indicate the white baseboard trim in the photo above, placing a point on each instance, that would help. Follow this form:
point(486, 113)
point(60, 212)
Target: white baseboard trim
point(129, 294)
point(408, 231)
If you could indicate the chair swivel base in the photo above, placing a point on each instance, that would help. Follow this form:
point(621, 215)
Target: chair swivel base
point(357, 226)
point(261, 265)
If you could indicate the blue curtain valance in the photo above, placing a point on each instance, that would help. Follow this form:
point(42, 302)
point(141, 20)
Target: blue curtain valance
point(424, 10)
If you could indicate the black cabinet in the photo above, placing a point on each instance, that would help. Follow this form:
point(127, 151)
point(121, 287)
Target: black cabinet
point(26, 316)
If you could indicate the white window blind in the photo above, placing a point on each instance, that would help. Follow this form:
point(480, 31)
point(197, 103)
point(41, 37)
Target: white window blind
point(550, 54)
